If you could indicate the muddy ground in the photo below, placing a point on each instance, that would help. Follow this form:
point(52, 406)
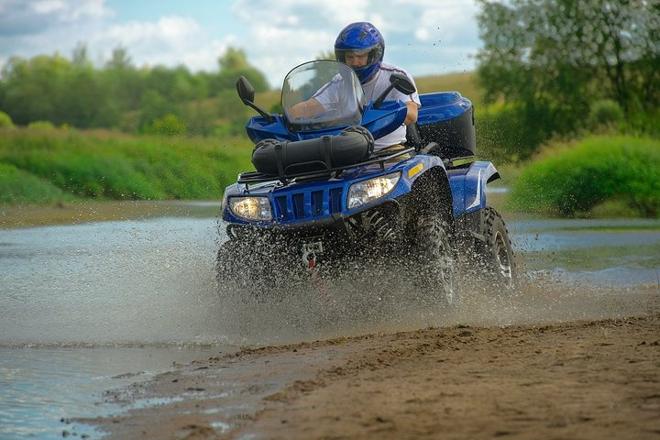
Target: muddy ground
point(581, 379)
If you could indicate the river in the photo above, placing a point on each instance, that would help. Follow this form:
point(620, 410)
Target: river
point(89, 308)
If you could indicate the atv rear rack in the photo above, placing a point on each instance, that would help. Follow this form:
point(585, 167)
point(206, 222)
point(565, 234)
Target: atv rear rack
point(257, 177)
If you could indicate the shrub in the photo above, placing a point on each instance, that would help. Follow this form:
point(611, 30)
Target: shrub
point(41, 125)
point(605, 112)
point(17, 186)
point(5, 120)
point(168, 125)
point(572, 179)
point(102, 164)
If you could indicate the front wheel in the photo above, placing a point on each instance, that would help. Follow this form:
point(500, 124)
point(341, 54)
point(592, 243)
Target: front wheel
point(495, 254)
point(436, 261)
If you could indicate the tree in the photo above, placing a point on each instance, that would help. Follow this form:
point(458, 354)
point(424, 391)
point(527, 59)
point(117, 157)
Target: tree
point(234, 64)
point(555, 57)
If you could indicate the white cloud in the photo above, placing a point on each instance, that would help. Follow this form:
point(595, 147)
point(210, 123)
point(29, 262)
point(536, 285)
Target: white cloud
point(170, 41)
point(423, 36)
point(416, 31)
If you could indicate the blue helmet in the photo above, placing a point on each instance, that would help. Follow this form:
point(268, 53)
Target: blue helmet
point(361, 37)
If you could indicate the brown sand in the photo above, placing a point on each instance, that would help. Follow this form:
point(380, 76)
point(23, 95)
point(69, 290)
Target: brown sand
point(584, 379)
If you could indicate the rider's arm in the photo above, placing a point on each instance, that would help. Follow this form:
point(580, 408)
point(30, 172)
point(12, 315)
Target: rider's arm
point(306, 109)
point(411, 116)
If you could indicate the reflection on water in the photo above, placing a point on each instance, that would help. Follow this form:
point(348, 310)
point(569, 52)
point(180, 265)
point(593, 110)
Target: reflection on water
point(92, 307)
point(42, 388)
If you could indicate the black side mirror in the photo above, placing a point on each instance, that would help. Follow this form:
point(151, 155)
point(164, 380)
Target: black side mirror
point(246, 93)
point(398, 81)
point(402, 83)
point(245, 90)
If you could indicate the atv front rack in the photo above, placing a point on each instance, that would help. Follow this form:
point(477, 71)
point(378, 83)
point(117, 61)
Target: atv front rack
point(257, 177)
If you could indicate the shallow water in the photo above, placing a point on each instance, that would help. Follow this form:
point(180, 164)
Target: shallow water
point(88, 308)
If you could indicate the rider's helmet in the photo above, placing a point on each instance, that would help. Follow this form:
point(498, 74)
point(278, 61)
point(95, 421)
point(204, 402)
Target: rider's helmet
point(361, 37)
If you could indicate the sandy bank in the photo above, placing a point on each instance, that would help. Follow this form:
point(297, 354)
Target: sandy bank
point(585, 379)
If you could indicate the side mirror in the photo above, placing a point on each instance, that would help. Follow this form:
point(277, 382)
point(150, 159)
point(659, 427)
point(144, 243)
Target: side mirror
point(245, 90)
point(246, 93)
point(402, 83)
point(398, 81)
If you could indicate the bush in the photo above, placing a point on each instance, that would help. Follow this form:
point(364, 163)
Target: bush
point(505, 134)
point(572, 179)
point(605, 112)
point(168, 125)
point(5, 120)
point(17, 186)
point(41, 125)
point(103, 164)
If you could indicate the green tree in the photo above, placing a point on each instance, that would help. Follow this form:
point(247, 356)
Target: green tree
point(5, 120)
point(553, 58)
point(234, 64)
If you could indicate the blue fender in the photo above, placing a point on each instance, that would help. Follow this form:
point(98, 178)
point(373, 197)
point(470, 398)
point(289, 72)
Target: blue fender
point(468, 187)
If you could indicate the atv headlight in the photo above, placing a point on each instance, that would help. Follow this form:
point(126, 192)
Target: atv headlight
point(251, 208)
point(369, 190)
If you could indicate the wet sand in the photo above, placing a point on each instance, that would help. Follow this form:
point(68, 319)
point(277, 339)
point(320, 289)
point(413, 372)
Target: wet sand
point(587, 379)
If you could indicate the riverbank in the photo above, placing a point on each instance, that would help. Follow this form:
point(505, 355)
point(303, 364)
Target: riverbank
point(24, 216)
point(587, 379)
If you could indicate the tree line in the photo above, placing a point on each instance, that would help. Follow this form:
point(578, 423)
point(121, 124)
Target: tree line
point(120, 95)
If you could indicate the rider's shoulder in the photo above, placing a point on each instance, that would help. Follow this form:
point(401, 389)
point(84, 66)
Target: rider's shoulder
point(391, 68)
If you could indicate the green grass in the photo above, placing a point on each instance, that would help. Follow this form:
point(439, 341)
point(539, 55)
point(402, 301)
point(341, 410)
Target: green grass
point(40, 165)
point(17, 185)
point(582, 177)
point(465, 83)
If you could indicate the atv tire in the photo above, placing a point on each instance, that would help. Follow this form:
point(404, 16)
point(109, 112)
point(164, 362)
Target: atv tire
point(495, 258)
point(435, 257)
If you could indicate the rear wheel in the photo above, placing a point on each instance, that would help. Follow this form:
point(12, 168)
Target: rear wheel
point(435, 256)
point(495, 254)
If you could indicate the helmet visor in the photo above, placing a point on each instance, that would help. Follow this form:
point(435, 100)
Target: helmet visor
point(358, 58)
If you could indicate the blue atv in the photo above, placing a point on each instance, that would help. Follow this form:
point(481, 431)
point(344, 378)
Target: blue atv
point(321, 199)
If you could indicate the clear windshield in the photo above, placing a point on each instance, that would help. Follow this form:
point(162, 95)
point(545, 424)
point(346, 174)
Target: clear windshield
point(322, 94)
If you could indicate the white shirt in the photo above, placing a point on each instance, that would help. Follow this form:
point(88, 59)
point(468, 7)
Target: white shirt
point(328, 97)
point(374, 87)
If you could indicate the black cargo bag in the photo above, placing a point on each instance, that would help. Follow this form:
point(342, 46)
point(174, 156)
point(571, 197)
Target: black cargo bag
point(286, 158)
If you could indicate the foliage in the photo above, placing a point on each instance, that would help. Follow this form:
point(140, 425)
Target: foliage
point(41, 125)
point(168, 125)
point(114, 166)
point(118, 95)
point(570, 179)
point(605, 112)
point(5, 120)
point(553, 58)
point(17, 186)
point(509, 133)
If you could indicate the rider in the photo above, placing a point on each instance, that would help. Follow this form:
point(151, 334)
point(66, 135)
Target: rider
point(361, 46)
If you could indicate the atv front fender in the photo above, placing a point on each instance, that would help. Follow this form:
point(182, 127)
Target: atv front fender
point(469, 188)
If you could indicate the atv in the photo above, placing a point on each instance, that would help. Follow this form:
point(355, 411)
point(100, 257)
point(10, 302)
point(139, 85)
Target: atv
point(322, 199)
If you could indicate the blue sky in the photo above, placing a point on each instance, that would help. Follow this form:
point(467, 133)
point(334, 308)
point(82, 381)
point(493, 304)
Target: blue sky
point(423, 36)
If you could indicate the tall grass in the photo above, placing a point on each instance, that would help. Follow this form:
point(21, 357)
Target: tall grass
point(16, 185)
point(108, 165)
point(574, 178)
point(465, 83)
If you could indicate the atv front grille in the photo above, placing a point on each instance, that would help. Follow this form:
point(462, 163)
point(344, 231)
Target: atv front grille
point(308, 204)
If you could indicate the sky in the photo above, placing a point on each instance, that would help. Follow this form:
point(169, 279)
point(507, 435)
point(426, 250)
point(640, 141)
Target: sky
point(423, 36)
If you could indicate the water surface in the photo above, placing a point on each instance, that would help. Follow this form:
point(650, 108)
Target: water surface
point(88, 308)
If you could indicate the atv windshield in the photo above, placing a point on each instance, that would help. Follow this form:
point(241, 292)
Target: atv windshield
point(322, 94)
